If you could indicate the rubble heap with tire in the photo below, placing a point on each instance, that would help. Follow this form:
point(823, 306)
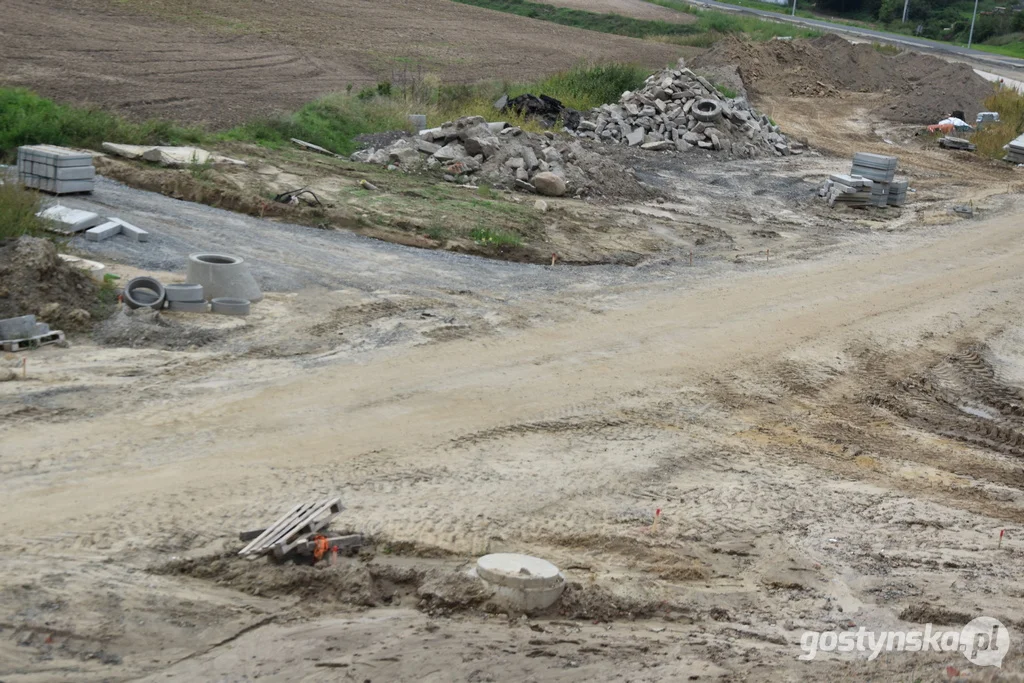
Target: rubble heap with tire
point(677, 110)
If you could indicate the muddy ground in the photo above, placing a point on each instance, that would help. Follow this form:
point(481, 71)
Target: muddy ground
point(825, 406)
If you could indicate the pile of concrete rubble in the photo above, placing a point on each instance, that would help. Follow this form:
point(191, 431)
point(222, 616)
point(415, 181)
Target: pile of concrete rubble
point(495, 152)
point(678, 110)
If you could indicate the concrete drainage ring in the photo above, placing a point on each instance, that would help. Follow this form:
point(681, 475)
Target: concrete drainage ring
point(144, 292)
point(707, 110)
point(226, 306)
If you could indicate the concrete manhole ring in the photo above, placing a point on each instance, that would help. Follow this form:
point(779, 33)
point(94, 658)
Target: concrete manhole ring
point(187, 292)
point(223, 276)
point(521, 582)
point(707, 110)
point(144, 292)
point(227, 306)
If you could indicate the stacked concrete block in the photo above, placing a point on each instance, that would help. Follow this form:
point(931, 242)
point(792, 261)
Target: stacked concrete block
point(1015, 151)
point(898, 192)
point(876, 167)
point(55, 169)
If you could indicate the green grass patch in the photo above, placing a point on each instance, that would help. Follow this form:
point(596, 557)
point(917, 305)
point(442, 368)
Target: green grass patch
point(495, 238)
point(712, 25)
point(18, 209)
point(27, 118)
point(1015, 49)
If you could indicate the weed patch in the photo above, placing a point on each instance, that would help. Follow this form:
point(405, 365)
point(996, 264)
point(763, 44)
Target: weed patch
point(994, 136)
point(18, 208)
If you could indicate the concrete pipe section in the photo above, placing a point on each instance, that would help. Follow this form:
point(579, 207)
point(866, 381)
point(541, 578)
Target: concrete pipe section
point(144, 292)
point(521, 582)
point(188, 293)
point(223, 276)
point(188, 306)
point(226, 306)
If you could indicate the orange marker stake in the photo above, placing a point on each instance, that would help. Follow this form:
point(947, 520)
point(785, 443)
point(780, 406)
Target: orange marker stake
point(1001, 532)
point(657, 516)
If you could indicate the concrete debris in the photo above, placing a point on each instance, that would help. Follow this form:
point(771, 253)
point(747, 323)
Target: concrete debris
point(678, 106)
point(56, 170)
point(870, 183)
point(70, 221)
point(174, 157)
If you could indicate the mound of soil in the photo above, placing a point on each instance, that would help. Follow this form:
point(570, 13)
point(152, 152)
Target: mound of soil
point(921, 88)
point(35, 281)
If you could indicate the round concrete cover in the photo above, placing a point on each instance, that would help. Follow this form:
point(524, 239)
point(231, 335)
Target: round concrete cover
point(518, 571)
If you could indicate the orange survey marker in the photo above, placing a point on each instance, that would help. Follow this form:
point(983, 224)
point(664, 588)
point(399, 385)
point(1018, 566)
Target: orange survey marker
point(320, 548)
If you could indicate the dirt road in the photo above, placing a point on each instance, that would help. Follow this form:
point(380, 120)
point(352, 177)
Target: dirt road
point(774, 415)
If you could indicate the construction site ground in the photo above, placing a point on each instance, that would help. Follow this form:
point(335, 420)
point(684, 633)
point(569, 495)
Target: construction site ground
point(824, 405)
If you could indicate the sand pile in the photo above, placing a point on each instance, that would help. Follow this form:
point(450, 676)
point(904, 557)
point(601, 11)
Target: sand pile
point(920, 88)
point(35, 281)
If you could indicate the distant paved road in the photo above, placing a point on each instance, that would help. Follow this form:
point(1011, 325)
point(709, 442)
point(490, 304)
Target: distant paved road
point(895, 38)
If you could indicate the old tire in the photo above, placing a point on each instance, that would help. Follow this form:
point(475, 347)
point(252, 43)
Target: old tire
point(227, 306)
point(144, 292)
point(188, 306)
point(707, 110)
point(186, 293)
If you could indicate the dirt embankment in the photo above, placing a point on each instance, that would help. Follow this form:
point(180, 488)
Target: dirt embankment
point(919, 88)
point(35, 281)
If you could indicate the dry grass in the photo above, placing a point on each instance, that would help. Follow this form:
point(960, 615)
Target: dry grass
point(993, 137)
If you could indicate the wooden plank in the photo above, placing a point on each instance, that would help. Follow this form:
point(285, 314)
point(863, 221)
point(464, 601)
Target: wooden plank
point(285, 543)
point(269, 531)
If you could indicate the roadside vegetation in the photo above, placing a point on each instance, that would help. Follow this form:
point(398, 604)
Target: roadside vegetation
point(994, 136)
point(18, 209)
point(333, 121)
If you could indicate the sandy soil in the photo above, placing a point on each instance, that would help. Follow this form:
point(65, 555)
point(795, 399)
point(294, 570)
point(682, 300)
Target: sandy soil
point(638, 9)
point(228, 61)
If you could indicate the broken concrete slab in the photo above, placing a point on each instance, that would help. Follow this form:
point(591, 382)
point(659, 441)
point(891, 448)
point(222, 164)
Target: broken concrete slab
point(69, 220)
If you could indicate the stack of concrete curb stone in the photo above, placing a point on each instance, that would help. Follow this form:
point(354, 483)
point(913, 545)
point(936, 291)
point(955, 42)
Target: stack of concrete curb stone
point(25, 332)
point(55, 169)
point(678, 110)
point(1015, 151)
point(849, 190)
point(870, 183)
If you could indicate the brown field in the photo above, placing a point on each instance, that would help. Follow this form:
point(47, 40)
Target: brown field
point(225, 61)
point(638, 9)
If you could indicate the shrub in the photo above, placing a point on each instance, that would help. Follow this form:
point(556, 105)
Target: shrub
point(18, 209)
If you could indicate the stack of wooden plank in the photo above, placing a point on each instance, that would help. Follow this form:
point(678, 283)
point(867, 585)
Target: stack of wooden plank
point(298, 530)
point(55, 169)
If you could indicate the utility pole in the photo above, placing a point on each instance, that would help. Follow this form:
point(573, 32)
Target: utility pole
point(794, 8)
point(906, 6)
point(974, 16)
